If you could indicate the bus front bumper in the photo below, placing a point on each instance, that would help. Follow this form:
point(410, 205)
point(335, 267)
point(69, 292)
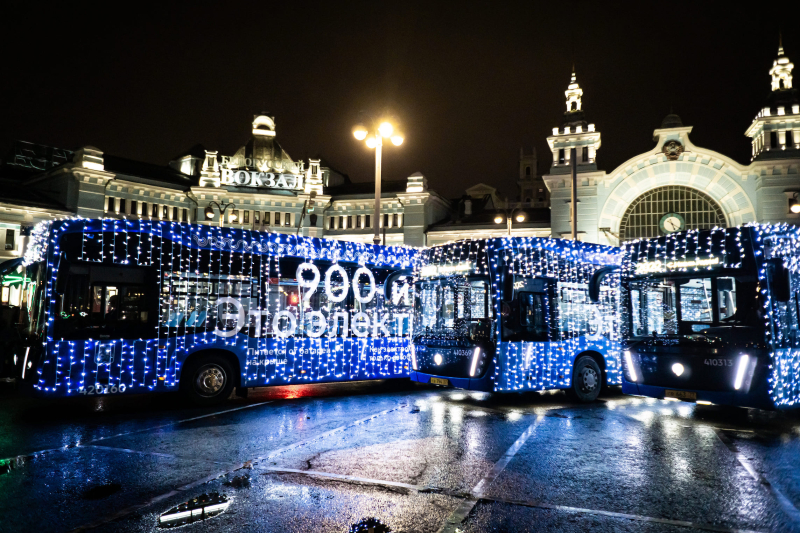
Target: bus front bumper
point(700, 396)
point(478, 384)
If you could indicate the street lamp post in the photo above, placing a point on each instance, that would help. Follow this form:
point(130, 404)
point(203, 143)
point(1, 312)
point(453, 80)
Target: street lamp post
point(514, 213)
point(374, 140)
point(222, 207)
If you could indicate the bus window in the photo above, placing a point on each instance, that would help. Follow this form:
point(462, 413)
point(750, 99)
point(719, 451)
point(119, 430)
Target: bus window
point(696, 301)
point(653, 308)
point(533, 316)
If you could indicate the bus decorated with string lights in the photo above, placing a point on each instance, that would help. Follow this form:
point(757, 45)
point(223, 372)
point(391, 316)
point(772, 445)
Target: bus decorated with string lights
point(517, 314)
point(711, 316)
point(126, 306)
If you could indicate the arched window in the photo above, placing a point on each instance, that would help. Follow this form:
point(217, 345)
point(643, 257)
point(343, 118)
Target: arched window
point(642, 219)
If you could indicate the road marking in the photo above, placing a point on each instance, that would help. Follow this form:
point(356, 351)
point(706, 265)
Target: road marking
point(462, 511)
point(785, 503)
point(229, 470)
point(342, 477)
point(79, 444)
point(667, 521)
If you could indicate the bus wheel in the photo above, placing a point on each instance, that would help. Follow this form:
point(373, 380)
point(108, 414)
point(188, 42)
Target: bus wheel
point(586, 380)
point(207, 380)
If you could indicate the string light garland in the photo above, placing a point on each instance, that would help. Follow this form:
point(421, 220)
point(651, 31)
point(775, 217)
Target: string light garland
point(184, 289)
point(748, 249)
point(575, 325)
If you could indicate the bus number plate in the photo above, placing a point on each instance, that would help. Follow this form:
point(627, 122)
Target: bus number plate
point(682, 394)
point(440, 381)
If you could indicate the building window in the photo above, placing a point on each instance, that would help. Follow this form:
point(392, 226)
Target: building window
point(585, 154)
point(341, 223)
point(144, 209)
point(561, 156)
point(773, 137)
point(256, 217)
point(789, 139)
point(394, 220)
point(165, 212)
point(246, 217)
point(367, 221)
point(277, 219)
point(155, 211)
point(122, 206)
point(643, 216)
point(386, 220)
point(134, 208)
point(527, 171)
point(287, 219)
point(111, 204)
point(266, 218)
point(185, 215)
point(174, 213)
point(350, 221)
point(10, 239)
point(234, 217)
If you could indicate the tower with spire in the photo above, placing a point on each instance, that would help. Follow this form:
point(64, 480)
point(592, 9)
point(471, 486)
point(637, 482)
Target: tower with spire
point(574, 132)
point(775, 132)
point(574, 135)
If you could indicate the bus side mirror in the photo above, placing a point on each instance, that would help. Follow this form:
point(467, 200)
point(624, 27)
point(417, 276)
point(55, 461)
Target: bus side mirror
point(508, 287)
point(63, 276)
point(597, 279)
point(781, 286)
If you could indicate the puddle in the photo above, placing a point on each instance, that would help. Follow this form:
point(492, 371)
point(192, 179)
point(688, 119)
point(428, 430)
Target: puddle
point(99, 492)
point(370, 525)
point(200, 508)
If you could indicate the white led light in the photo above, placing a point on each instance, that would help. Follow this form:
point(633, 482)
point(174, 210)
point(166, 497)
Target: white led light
point(357, 290)
point(475, 356)
point(744, 360)
point(437, 359)
point(629, 363)
point(329, 290)
point(678, 369)
point(413, 357)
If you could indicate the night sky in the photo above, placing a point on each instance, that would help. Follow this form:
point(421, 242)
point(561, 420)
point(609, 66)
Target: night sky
point(471, 82)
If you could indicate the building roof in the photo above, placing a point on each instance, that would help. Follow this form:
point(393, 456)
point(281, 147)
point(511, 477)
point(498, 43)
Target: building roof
point(147, 172)
point(367, 187)
point(671, 121)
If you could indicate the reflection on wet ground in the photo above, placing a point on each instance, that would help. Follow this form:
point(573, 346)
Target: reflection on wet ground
point(396, 456)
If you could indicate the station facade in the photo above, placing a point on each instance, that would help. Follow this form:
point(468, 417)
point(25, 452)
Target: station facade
point(677, 185)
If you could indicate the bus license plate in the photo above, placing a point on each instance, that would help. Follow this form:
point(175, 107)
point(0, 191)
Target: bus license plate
point(440, 381)
point(682, 394)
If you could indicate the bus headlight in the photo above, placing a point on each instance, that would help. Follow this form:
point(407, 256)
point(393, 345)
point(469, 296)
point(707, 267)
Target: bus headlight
point(741, 368)
point(413, 358)
point(476, 354)
point(629, 365)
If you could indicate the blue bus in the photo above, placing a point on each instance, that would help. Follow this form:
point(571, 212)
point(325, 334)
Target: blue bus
point(711, 316)
point(517, 314)
point(126, 306)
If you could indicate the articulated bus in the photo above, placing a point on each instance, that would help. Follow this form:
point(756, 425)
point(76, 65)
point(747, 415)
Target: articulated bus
point(517, 314)
point(126, 306)
point(711, 316)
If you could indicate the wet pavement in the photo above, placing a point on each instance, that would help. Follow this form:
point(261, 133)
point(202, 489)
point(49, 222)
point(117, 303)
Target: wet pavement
point(327, 457)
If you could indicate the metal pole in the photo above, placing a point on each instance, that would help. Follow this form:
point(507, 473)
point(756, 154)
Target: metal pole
point(573, 154)
point(377, 222)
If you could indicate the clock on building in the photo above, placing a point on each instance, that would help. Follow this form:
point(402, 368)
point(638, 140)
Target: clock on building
point(672, 222)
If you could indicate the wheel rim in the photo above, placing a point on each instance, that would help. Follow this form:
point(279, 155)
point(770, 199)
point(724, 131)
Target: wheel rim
point(210, 380)
point(588, 379)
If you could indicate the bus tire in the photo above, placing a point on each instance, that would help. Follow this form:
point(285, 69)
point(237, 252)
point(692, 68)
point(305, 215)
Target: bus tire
point(207, 380)
point(586, 379)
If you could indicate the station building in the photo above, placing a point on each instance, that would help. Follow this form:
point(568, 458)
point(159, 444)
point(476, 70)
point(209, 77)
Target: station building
point(677, 185)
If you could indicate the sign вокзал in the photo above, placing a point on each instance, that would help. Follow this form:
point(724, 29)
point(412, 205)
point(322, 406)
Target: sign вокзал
point(271, 174)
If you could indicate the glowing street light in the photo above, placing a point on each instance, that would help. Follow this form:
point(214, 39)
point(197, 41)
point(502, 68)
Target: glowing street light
point(374, 140)
point(222, 206)
point(513, 213)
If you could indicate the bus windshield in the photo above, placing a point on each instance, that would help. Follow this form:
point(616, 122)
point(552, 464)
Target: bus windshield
point(455, 306)
point(684, 306)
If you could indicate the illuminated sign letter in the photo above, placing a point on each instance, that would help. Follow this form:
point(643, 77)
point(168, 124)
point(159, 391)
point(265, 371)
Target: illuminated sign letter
point(276, 324)
point(335, 324)
point(316, 324)
point(241, 177)
point(361, 323)
point(379, 323)
point(238, 316)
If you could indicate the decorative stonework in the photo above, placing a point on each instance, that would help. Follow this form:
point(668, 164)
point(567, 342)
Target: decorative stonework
point(673, 150)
